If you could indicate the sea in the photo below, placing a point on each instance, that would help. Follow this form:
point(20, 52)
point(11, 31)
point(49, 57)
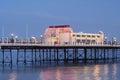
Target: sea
point(61, 71)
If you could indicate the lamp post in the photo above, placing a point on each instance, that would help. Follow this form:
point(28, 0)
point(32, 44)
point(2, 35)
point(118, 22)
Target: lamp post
point(16, 37)
point(114, 40)
point(34, 39)
point(41, 39)
point(105, 40)
point(12, 35)
point(12, 38)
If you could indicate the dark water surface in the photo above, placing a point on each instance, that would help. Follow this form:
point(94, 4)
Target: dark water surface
point(103, 71)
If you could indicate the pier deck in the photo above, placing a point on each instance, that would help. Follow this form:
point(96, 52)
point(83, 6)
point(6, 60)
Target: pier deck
point(19, 45)
point(42, 52)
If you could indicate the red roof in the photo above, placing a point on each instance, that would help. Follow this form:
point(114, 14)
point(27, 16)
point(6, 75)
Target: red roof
point(59, 26)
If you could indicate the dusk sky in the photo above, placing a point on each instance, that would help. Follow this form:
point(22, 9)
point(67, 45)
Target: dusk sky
point(83, 16)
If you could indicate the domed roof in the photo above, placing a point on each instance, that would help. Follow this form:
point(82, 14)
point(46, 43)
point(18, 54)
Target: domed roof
point(100, 32)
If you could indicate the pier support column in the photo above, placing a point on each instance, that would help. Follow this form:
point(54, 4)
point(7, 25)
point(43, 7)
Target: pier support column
point(65, 54)
point(2, 56)
point(10, 56)
point(50, 55)
point(104, 55)
point(113, 54)
point(54, 54)
point(57, 55)
point(32, 56)
point(47, 55)
point(43, 54)
point(73, 54)
point(17, 55)
point(91, 53)
point(35, 56)
point(39, 55)
point(76, 57)
point(107, 54)
point(95, 55)
point(116, 53)
point(85, 55)
point(24, 56)
point(101, 54)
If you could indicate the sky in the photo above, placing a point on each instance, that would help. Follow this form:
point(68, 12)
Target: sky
point(34, 16)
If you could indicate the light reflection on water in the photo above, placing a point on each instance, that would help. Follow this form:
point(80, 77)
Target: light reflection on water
point(76, 72)
point(87, 72)
point(12, 76)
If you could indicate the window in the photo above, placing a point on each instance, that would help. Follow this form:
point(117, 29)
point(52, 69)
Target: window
point(93, 36)
point(83, 41)
point(93, 41)
point(88, 35)
point(98, 36)
point(73, 35)
point(78, 40)
point(53, 33)
point(83, 35)
point(78, 35)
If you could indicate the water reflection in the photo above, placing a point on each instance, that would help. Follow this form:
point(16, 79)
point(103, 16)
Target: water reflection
point(12, 76)
point(114, 71)
point(76, 72)
point(58, 74)
point(96, 72)
point(87, 72)
point(106, 71)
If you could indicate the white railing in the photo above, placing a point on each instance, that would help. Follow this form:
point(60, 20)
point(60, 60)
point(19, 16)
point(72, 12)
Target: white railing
point(41, 42)
point(34, 44)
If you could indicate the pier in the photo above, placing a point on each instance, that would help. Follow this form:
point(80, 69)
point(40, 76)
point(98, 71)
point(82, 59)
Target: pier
point(59, 44)
point(33, 52)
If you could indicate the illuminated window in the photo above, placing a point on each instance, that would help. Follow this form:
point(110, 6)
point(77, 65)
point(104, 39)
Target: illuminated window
point(98, 36)
point(93, 36)
point(53, 33)
point(88, 35)
point(83, 35)
point(73, 35)
point(78, 35)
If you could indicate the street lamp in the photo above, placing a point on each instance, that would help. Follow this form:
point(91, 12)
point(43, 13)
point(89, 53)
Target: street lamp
point(41, 36)
point(16, 38)
point(12, 38)
point(41, 39)
point(34, 39)
point(105, 40)
point(114, 40)
point(12, 35)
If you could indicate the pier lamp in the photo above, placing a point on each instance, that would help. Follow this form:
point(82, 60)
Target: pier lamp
point(41, 39)
point(41, 36)
point(16, 37)
point(105, 39)
point(114, 40)
point(33, 39)
point(12, 38)
point(12, 35)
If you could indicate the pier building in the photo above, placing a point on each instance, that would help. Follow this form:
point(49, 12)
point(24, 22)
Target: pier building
point(88, 38)
point(44, 49)
point(58, 34)
point(64, 34)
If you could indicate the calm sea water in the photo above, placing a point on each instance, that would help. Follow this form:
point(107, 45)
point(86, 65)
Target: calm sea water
point(103, 71)
point(60, 71)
